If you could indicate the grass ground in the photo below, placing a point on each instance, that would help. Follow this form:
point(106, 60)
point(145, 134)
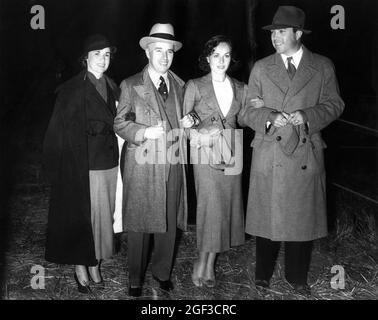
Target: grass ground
point(234, 269)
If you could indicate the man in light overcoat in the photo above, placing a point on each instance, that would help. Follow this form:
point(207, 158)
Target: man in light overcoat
point(293, 94)
point(154, 197)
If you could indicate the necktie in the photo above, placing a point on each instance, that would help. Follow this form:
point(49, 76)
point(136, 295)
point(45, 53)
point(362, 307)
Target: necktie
point(163, 90)
point(290, 68)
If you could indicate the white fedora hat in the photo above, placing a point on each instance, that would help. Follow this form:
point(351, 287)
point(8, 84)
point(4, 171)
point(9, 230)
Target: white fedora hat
point(161, 32)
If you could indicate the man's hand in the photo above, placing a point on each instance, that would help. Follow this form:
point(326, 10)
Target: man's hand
point(257, 103)
point(297, 118)
point(154, 132)
point(187, 121)
point(278, 119)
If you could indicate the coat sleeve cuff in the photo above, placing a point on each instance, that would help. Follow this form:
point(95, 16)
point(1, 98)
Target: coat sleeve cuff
point(309, 121)
point(264, 119)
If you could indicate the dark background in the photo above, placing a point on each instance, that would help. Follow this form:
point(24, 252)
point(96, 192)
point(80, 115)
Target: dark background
point(28, 56)
point(34, 62)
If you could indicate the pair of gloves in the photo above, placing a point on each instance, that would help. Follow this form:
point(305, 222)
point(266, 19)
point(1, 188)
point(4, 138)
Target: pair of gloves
point(155, 132)
point(204, 137)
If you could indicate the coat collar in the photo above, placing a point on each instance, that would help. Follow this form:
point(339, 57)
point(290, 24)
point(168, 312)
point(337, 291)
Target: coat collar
point(110, 103)
point(277, 73)
point(146, 90)
point(207, 92)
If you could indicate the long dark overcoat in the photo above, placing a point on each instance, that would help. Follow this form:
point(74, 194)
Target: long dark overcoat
point(144, 188)
point(65, 153)
point(287, 192)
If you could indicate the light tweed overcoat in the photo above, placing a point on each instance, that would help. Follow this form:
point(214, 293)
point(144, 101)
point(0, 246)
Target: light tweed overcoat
point(144, 185)
point(287, 193)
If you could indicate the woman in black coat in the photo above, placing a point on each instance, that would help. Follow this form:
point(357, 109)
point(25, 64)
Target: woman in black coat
point(81, 158)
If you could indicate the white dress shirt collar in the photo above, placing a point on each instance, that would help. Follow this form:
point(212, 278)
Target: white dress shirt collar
point(296, 58)
point(155, 77)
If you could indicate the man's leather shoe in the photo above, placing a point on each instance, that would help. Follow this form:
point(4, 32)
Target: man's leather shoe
point(262, 283)
point(135, 291)
point(303, 289)
point(165, 285)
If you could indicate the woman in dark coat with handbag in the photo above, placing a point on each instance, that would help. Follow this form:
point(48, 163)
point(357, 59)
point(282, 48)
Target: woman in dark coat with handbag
point(215, 100)
point(81, 159)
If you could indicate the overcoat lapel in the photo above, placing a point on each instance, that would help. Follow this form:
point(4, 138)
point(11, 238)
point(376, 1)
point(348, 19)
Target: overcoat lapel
point(277, 73)
point(111, 101)
point(208, 95)
point(303, 75)
point(235, 106)
point(108, 105)
point(176, 91)
point(146, 91)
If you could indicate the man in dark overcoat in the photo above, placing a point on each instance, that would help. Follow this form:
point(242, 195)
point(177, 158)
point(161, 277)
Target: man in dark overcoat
point(293, 94)
point(154, 192)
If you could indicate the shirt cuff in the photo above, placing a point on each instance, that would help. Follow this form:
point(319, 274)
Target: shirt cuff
point(268, 124)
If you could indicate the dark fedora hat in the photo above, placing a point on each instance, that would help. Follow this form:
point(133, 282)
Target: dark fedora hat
point(288, 17)
point(96, 42)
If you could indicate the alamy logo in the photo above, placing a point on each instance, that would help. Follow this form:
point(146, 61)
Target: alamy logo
point(338, 281)
point(37, 281)
point(338, 20)
point(38, 20)
point(223, 150)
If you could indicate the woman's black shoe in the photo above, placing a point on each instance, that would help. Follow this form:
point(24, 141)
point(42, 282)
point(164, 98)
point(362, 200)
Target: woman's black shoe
point(98, 285)
point(303, 289)
point(81, 288)
point(261, 283)
point(165, 285)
